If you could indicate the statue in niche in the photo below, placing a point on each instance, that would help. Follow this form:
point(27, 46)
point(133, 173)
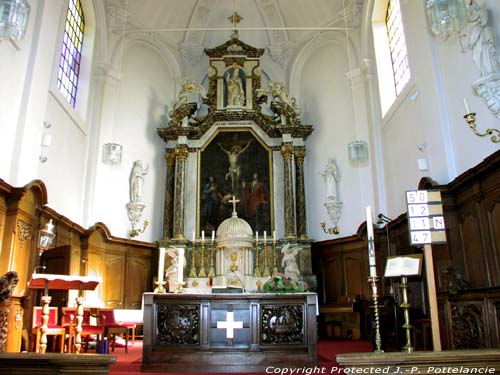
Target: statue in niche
point(137, 180)
point(234, 79)
point(288, 262)
point(331, 177)
point(481, 39)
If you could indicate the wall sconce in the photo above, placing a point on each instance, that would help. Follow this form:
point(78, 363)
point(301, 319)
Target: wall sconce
point(112, 153)
point(446, 16)
point(45, 237)
point(14, 16)
point(470, 118)
point(358, 151)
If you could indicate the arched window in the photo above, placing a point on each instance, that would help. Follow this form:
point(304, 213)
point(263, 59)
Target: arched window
point(71, 52)
point(390, 51)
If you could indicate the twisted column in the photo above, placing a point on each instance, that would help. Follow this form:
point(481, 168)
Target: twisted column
point(181, 154)
point(300, 153)
point(287, 153)
point(168, 206)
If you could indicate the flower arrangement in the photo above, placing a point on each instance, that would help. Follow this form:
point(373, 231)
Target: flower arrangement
point(282, 284)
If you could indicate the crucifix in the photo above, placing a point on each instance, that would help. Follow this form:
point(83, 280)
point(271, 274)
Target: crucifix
point(234, 201)
point(235, 20)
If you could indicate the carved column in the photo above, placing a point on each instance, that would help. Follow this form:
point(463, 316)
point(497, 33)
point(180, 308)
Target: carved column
point(300, 153)
point(287, 153)
point(168, 206)
point(181, 154)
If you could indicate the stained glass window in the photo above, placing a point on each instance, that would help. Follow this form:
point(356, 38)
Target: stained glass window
point(397, 45)
point(71, 52)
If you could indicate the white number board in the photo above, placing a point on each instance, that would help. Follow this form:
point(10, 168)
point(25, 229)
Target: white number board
point(425, 217)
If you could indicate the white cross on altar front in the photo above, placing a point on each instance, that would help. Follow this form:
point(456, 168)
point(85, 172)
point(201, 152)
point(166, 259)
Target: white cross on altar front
point(230, 325)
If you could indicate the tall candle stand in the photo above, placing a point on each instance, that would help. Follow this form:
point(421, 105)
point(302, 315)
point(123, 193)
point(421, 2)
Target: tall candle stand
point(275, 258)
point(192, 271)
point(202, 272)
point(257, 265)
point(211, 271)
point(378, 341)
point(266, 266)
point(406, 311)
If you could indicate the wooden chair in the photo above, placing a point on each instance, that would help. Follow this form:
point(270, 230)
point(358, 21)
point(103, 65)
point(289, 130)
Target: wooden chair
point(113, 328)
point(89, 329)
point(53, 329)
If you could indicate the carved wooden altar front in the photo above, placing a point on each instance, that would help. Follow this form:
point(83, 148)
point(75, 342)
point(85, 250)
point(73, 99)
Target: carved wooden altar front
point(228, 332)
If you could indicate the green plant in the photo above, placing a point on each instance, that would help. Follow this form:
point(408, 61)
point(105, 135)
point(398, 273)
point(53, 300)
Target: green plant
point(281, 284)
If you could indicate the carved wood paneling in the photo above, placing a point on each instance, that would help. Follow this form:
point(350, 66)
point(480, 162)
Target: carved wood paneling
point(467, 325)
point(282, 324)
point(178, 324)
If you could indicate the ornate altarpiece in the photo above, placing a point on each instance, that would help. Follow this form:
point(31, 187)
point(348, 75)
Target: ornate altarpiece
point(237, 150)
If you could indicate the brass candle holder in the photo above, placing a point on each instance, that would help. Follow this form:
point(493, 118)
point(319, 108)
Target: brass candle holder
point(192, 271)
point(257, 265)
point(275, 258)
point(470, 118)
point(378, 341)
point(211, 271)
point(160, 287)
point(266, 266)
point(202, 272)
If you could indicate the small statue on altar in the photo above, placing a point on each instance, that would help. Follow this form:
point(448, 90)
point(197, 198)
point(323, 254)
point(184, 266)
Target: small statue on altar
point(289, 262)
point(173, 275)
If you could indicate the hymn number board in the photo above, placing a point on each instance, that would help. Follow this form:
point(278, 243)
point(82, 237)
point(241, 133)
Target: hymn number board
point(425, 217)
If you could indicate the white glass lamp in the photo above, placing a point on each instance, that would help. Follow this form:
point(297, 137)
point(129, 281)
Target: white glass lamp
point(14, 16)
point(358, 151)
point(112, 153)
point(446, 16)
point(46, 237)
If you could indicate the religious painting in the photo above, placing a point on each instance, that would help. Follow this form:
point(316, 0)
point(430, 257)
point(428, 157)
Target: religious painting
point(235, 163)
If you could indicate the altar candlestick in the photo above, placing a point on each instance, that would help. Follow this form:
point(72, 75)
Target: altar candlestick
point(194, 237)
point(265, 234)
point(213, 235)
point(274, 235)
point(203, 235)
point(161, 265)
point(371, 249)
point(466, 105)
point(180, 266)
point(257, 236)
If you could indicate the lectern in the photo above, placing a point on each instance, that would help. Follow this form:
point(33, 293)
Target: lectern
point(62, 282)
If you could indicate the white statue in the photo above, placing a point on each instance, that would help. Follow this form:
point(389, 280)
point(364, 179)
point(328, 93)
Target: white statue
point(331, 177)
point(278, 92)
point(288, 262)
point(234, 82)
point(482, 40)
point(137, 180)
point(172, 274)
point(188, 88)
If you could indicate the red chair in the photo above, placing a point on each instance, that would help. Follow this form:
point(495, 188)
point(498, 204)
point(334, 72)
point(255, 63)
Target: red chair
point(53, 329)
point(113, 328)
point(89, 329)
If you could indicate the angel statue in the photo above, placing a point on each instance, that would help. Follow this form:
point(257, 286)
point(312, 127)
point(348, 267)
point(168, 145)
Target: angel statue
point(172, 273)
point(188, 88)
point(288, 261)
point(278, 92)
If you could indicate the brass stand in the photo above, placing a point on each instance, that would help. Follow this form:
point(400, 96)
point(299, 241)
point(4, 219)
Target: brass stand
point(378, 341)
point(470, 118)
point(257, 265)
point(192, 271)
point(406, 311)
point(211, 271)
point(266, 266)
point(202, 272)
point(180, 288)
point(275, 258)
point(160, 287)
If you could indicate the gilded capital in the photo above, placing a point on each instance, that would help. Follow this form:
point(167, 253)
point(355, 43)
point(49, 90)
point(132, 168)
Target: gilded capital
point(181, 152)
point(300, 154)
point(170, 156)
point(287, 152)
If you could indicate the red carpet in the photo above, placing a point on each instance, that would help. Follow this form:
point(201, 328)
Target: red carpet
point(130, 364)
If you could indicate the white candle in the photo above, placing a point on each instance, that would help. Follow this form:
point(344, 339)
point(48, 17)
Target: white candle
point(213, 236)
point(203, 235)
point(265, 234)
point(371, 249)
point(274, 235)
point(257, 236)
point(180, 266)
point(194, 237)
point(161, 265)
point(466, 105)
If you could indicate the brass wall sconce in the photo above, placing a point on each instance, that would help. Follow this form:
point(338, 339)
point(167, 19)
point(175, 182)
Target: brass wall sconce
point(470, 118)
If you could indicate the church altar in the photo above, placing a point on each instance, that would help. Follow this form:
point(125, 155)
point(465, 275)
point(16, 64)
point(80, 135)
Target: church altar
point(245, 332)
